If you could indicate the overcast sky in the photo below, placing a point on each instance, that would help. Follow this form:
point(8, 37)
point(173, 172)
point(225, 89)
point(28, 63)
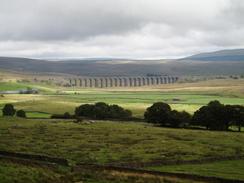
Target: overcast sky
point(119, 28)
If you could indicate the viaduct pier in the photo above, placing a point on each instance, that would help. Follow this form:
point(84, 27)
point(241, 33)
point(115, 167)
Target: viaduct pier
point(105, 82)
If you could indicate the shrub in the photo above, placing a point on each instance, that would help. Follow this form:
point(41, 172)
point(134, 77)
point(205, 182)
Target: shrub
point(117, 112)
point(216, 116)
point(179, 119)
point(85, 110)
point(66, 115)
point(158, 113)
point(102, 110)
point(8, 110)
point(21, 114)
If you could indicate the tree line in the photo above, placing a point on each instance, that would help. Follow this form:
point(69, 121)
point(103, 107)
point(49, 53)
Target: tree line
point(99, 111)
point(213, 116)
point(102, 110)
point(9, 110)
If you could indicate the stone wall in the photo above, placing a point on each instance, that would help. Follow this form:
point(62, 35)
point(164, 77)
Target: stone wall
point(104, 82)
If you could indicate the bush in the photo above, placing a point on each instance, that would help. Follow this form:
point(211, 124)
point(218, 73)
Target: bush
point(117, 112)
point(216, 116)
point(102, 110)
point(158, 113)
point(161, 113)
point(211, 116)
point(236, 115)
point(8, 110)
point(85, 110)
point(66, 115)
point(179, 119)
point(21, 114)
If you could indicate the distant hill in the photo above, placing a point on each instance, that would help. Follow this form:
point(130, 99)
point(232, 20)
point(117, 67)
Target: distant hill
point(214, 63)
point(222, 55)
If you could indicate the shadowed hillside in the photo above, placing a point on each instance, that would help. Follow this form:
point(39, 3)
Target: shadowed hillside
point(215, 63)
point(222, 55)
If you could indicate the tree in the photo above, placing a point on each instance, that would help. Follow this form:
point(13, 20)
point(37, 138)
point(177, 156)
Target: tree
point(67, 115)
point(101, 110)
point(214, 116)
point(21, 114)
point(85, 110)
point(236, 115)
point(179, 119)
point(201, 117)
point(117, 112)
point(8, 110)
point(158, 113)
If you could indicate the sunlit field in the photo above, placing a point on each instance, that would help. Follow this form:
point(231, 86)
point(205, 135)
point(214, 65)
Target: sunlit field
point(188, 97)
point(120, 143)
point(105, 142)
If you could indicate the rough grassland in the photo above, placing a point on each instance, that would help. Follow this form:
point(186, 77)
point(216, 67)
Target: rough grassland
point(11, 172)
point(115, 142)
point(124, 142)
point(228, 169)
point(120, 142)
point(135, 101)
point(22, 173)
point(180, 96)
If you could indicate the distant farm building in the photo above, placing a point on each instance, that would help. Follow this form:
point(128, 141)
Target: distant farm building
point(23, 91)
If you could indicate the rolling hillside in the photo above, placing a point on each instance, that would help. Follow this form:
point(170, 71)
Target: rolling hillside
point(222, 55)
point(215, 63)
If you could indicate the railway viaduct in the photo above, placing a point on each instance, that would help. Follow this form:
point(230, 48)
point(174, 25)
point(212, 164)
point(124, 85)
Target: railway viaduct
point(104, 82)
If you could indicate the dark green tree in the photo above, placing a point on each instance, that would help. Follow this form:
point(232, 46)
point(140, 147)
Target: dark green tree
point(117, 112)
point(86, 110)
point(21, 114)
point(179, 119)
point(236, 115)
point(101, 110)
point(214, 116)
point(8, 110)
point(67, 115)
point(158, 113)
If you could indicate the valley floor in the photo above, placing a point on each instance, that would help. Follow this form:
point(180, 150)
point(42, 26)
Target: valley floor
point(129, 144)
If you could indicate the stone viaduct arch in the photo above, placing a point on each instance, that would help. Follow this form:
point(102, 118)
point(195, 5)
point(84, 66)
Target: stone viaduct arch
point(105, 82)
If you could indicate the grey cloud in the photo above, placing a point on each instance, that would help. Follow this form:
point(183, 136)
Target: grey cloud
point(130, 28)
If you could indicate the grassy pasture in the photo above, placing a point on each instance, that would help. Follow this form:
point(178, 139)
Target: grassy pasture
point(181, 96)
point(120, 142)
point(105, 142)
point(11, 172)
point(5, 86)
point(13, 85)
point(135, 101)
point(227, 169)
point(115, 142)
point(21, 173)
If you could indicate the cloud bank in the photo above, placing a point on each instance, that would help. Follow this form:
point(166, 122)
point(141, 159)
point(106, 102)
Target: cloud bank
point(119, 28)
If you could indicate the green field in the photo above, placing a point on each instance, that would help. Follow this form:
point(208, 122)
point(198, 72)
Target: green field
point(180, 96)
point(228, 169)
point(115, 142)
point(135, 101)
point(5, 86)
point(12, 172)
point(22, 173)
point(129, 143)
point(124, 142)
